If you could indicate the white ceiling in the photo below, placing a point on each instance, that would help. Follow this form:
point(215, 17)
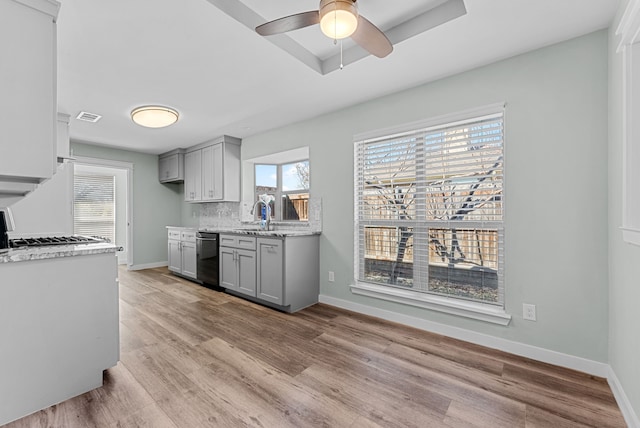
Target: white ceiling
point(224, 78)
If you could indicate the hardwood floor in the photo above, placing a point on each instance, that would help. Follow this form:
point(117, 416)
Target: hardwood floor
point(192, 357)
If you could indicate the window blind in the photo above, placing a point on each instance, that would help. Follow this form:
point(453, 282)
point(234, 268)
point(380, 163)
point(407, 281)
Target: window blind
point(94, 206)
point(429, 209)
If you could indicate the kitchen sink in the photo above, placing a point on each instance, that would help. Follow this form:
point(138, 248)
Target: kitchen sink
point(257, 231)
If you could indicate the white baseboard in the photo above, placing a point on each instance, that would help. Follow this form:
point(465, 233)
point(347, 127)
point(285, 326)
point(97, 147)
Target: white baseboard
point(630, 416)
point(591, 367)
point(148, 266)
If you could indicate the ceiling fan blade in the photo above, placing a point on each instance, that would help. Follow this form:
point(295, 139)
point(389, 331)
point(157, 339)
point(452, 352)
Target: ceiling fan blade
point(289, 23)
point(371, 38)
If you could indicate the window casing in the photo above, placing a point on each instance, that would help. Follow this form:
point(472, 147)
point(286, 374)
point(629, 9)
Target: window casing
point(429, 209)
point(289, 185)
point(628, 32)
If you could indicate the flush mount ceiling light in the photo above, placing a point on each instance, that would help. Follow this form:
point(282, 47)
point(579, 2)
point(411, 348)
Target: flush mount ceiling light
point(154, 116)
point(338, 18)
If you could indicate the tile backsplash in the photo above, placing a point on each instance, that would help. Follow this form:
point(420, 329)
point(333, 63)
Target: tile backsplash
point(223, 215)
point(229, 215)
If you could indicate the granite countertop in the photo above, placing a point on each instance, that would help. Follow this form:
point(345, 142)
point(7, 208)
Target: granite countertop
point(56, 251)
point(182, 228)
point(257, 232)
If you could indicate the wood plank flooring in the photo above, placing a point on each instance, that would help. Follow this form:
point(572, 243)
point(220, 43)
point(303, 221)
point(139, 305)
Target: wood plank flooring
point(193, 357)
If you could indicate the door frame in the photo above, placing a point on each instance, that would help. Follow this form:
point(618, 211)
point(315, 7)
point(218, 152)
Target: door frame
point(128, 166)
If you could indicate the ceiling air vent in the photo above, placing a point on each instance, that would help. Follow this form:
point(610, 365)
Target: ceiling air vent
point(88, 117)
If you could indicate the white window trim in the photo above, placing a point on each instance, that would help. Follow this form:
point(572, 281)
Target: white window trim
point(449, 305)
point(629, 33)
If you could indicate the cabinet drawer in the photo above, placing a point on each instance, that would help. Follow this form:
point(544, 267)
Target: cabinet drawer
point(188, 236)
point(174, 234)
point(238, 241)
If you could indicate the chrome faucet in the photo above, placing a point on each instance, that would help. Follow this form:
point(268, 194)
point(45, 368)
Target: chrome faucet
point(268, 210)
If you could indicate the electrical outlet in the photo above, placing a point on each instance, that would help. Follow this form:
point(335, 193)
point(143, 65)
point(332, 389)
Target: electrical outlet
point(332, 276)
point(529, 312)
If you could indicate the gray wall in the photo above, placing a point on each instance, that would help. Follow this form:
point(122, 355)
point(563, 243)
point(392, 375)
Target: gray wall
point(190, 212)
point(556, 187)
point(624, 269)
point(155, 205)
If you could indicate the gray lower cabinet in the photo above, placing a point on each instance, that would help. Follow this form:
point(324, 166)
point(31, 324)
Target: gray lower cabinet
point(181, 252)
point(238, 264)
point(281, 272)
point(189, 259)
point(175, 255)
point(270, 284)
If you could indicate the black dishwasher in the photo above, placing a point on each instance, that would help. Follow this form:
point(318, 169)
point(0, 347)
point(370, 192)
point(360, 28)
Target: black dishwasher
point(207, 267)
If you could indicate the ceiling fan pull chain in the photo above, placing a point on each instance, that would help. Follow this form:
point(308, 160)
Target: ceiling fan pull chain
point(341, 63)
point(335, 24)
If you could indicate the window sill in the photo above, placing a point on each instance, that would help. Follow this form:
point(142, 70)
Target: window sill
point(451, 306)
point(632, 236)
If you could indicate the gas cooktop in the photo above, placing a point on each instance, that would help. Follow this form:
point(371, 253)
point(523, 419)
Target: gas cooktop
point(56, 240)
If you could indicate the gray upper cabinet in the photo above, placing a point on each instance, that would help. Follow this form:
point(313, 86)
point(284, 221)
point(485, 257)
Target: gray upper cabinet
point(171, 166)
point(192, 176)
point(28, 111)
point(212, 171)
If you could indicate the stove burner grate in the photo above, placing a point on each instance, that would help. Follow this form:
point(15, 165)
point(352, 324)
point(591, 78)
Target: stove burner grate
point(55, 240)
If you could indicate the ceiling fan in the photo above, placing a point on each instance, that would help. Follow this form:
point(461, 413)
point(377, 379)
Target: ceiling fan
point(338, 19)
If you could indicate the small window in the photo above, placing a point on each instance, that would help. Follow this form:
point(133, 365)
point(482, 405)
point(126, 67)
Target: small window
point(289, 185)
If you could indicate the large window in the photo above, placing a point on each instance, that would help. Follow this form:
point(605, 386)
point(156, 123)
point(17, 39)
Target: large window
point(289, 185)
point(94, 212)
point(429, 209)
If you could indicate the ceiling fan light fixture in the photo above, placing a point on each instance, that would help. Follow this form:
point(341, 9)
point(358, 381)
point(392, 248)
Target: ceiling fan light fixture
point(154, 116)
point(338, 18)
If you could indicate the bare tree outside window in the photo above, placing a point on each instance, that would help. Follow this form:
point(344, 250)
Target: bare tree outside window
point(302, 170)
